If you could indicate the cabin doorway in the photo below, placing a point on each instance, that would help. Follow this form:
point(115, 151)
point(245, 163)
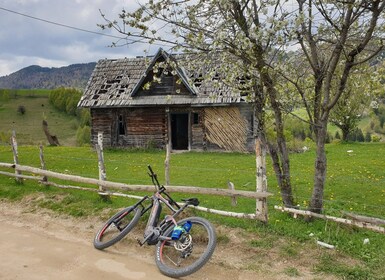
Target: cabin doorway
point(179, 131)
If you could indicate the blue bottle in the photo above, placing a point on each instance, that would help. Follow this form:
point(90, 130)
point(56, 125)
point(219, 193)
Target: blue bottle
point(187, 226)
point(177, 232)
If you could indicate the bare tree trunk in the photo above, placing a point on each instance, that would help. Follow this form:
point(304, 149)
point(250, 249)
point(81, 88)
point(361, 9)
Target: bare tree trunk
point(316, 203)
point(280, 156)
point(283, 183)
point(52, 139)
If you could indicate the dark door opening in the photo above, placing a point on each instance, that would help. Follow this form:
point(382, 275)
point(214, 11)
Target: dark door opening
point(179, 131)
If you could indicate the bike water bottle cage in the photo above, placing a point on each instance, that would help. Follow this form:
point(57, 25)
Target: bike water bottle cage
point(191, 201)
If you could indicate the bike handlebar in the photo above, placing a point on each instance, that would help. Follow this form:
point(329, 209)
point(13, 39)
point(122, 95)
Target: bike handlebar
point(154, 178)
point(159, 188)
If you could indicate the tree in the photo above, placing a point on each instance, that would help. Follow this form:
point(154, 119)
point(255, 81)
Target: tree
point(335, 37)
point(363, 86)
point(242, 35)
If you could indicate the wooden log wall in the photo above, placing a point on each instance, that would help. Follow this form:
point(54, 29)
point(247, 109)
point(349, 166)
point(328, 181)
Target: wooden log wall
point(102, 121)
point(218, 128)
point(146, 125)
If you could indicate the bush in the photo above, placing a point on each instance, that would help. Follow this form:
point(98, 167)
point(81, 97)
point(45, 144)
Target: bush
point(85, 117)
point(65, 99)
point(337, 136)
point(368, 137)
point(376, 138)
point(83, 136)
point(21, 109)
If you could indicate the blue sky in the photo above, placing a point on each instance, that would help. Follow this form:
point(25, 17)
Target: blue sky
point(25, 41)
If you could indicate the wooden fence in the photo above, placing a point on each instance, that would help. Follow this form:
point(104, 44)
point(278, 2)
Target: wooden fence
point(106, 187)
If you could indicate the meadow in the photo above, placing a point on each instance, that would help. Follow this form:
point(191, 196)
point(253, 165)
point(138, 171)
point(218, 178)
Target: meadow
point(28, 126)
point(355, 183)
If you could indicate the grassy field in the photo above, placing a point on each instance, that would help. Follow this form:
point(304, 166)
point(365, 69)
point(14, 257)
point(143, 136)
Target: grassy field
point(355, 183)
point(28, 126)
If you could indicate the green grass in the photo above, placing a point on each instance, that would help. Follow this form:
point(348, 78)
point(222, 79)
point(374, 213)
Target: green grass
point(28, 126)
point(355, 182)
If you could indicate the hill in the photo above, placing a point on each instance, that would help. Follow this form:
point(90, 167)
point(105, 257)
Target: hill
point(28, 126)
point(37, 77)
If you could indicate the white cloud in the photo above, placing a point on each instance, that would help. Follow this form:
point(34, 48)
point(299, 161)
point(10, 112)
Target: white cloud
point(25, 41)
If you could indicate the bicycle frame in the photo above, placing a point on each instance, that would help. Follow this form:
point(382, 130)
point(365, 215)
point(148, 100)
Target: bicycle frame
point(153, 232)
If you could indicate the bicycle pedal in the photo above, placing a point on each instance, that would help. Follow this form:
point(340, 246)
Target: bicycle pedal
point(139, 242)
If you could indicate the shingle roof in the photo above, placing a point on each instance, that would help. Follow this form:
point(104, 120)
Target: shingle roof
point(114, 83)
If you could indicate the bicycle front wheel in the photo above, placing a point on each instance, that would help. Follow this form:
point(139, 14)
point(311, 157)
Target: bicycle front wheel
point(179, 258)
point(117, 227)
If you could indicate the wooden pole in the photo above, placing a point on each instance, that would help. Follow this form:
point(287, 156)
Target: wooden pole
point(102, 168)
point(15, 155)
point(260, 159)
point(42, 162)
point(331, 218)
point(233, 198)
point(168, 148)
point(364, 219)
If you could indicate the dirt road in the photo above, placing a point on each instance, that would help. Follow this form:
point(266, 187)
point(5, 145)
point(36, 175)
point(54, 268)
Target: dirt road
point(28, 254)
point(40, 245)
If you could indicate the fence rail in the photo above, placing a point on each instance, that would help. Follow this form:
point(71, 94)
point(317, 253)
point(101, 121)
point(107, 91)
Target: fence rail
point(108, 185)
point(126, 187)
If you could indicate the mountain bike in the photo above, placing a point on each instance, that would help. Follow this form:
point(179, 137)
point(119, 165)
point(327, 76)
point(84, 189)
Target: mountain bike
point(182, 247)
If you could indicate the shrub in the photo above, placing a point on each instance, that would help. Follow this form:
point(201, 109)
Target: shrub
point(337, 136)
point(65, 99)
point(85, 117)
point(368, 137)
point(376, 138)
point(83, 136)
point(21, 109)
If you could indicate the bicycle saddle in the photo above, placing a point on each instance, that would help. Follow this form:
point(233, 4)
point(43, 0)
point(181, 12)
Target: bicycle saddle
point(192, 201)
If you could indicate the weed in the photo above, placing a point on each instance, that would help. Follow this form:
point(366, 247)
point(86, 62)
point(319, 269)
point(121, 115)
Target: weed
point(292, 272)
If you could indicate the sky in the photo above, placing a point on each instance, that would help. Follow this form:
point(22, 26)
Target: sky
point(25, 41)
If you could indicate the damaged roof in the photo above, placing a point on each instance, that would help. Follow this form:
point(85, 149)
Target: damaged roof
point(119, 83)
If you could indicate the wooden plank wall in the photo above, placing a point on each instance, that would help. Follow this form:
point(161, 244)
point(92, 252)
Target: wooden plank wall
point(146, 126)
point(227, 128)
point(101, 121)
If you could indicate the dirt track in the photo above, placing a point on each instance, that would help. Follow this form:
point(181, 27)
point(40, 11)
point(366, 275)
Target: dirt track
point(42, 245)
point(29, 254)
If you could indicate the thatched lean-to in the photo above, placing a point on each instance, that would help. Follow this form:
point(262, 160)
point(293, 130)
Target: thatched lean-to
point(136, 103)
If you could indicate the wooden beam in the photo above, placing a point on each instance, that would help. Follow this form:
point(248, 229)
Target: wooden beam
point(364, 219)
point(331, 218)
point(126, 187)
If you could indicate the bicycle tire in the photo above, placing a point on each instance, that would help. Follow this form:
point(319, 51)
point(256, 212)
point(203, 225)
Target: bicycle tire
point(166, 254)
point(119, 225)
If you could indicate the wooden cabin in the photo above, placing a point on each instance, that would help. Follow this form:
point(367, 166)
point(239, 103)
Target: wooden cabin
point(136, 103)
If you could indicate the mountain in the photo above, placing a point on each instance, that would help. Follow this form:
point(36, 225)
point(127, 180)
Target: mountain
point(32, 77)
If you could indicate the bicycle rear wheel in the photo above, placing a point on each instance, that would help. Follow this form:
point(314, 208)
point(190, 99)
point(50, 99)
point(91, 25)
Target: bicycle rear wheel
point(178, 258)
point(117, 227)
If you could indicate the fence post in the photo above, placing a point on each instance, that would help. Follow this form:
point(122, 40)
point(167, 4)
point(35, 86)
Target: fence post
point(102, 169)
point(260, 159)
point(15, 155)
point(168, 149)
point(42, 163)
point(233, 198)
